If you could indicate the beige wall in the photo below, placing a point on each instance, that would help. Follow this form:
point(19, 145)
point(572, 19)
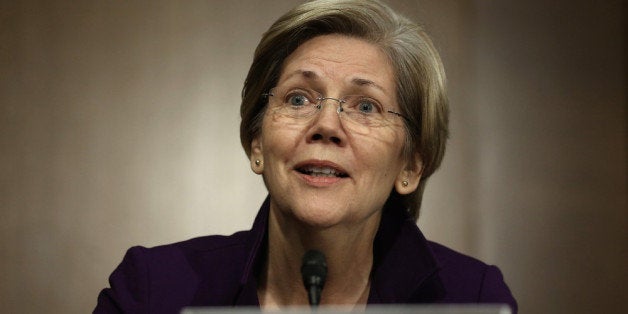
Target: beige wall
point(119, 126)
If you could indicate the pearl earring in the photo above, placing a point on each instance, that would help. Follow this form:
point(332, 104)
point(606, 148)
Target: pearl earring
point(404, 183)
point(257, 162)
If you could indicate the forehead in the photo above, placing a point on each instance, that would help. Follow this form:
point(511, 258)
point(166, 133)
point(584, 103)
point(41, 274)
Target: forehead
point(342, 61)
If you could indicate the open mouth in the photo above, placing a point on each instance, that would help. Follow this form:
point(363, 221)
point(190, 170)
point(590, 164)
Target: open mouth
point(319, 171)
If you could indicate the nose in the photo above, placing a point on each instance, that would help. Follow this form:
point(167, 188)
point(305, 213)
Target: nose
point(322, 103)
point(327, 127)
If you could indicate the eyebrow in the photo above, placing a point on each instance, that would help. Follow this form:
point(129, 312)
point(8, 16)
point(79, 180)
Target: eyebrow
point(365, 82)
point(311, 75)
point(305, 73)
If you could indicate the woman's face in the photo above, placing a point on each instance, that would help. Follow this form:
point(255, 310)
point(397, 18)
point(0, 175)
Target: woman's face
point(320, 170)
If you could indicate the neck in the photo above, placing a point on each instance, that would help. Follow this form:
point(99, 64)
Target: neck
point(349, 254)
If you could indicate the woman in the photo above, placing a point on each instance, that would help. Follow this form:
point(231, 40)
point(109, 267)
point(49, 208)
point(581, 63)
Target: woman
point(344, 114)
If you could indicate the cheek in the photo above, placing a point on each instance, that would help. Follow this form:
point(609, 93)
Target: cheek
point(383, 152)
point(278, 139)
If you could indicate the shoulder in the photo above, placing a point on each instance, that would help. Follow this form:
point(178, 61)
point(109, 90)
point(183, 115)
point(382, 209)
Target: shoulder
point(455, 262)
point(467, 279)
point(199, 247)
point(169, 276)
point(192, 255)
point(214, 258)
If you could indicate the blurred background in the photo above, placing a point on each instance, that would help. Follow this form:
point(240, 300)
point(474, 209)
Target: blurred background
point(119, 126)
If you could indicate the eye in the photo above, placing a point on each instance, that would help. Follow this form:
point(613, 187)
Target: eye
point(366, 105)
point(297, 99)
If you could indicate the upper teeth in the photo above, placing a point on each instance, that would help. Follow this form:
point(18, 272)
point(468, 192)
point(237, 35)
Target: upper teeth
point(321, 171)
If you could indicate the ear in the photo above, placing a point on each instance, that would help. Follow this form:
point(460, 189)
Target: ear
point(257, 159)
point(408, 179)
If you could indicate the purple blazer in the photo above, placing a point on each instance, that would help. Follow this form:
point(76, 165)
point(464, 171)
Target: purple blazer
point(223, 271)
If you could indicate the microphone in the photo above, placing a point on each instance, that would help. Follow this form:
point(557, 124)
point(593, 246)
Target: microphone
point(314, 271)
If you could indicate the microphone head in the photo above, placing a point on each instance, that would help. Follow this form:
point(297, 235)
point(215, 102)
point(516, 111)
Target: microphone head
point(314, 268)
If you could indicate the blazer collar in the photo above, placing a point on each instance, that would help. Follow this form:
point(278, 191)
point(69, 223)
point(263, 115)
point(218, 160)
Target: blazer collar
point(256, 245)
point(404, 267)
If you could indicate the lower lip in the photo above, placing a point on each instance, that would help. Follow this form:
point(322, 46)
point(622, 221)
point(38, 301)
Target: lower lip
point(319, 181)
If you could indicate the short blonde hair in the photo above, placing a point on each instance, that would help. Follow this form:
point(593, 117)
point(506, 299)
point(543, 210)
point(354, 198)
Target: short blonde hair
point(420, 77)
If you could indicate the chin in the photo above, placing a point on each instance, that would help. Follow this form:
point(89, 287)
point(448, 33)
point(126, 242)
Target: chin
point(311, 212)
point(319, 219)
point(325, 215)
point(321, 212)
